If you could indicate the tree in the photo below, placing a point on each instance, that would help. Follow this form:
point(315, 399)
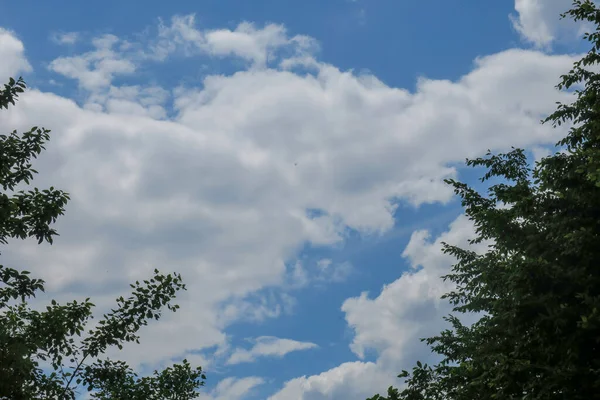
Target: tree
point(538, 284)
point(48, 354)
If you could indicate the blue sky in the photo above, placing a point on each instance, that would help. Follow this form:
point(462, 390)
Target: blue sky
point(286, 157)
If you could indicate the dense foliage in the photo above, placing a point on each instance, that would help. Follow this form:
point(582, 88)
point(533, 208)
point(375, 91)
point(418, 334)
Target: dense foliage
point(49, 354)
point(538, 285)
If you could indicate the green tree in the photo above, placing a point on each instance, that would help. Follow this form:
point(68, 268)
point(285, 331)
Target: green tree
point(49, 354)
point(538, 285)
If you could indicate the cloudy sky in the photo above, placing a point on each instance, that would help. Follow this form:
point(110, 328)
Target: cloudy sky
point(287, 158)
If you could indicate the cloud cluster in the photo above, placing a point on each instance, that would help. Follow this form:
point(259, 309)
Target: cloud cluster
point(538, 22)
point(97, 68)
point(258, 46)
point(351, 380)
point(392, 323)
point(12, 54)
point(222, 186)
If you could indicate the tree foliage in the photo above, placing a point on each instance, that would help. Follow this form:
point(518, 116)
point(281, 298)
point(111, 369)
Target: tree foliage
point(538, 285)
point(49, 354)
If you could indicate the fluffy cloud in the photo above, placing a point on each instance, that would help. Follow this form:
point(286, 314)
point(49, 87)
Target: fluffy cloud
point(221, 191)
point(258, 46)
point(392, 323)
point(146, 101)
point(12, 54)
point(538, 21)
point(410, 307)
point(268, 346)
point(352, 380)
point(233, 389)
point(95, 69)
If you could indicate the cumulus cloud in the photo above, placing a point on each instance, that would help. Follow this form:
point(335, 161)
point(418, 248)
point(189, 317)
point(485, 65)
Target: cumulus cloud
point(268, 346)
point(538, 21)
point(95, 69)
point(220, 187)
point(233, 389)
point(351, 380)
point(12, 54)
point(258, 46)
point(406, 309)
point(392, 323)
point(146, 101)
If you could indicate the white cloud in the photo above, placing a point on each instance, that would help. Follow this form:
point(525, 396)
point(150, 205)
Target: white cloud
point(95, 69)
point(407, 308)
point(67, 38)
point(233, 389)
point(131, 100)
point(220, 191)
point(538, 21)
point(12, 54)
point(268, 346)
point(352, 380)
point(257, 46)
point(392, 323)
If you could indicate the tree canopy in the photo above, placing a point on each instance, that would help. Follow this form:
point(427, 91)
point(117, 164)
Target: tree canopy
point(49, 354)
point(538, 284)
